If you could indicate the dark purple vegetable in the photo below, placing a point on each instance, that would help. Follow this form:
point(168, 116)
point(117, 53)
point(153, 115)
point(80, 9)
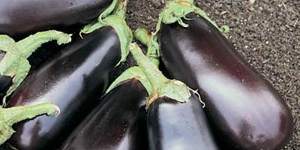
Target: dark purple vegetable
point(18, 16)
point(244, 110)
point(14, 65)
point(178, 126)
point(175, 118)
point(117, 123)
point(74, 80)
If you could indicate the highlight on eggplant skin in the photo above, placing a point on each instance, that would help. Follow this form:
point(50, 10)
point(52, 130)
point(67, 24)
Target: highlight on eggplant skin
point(243, 109)
point(19, 16)
point(117, 123)
point(74, 80)
point(173, 125)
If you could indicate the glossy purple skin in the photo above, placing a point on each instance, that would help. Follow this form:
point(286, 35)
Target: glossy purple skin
point(117, 123)
point(5, 81)
point(244, 110)
point(173, 125)
point(29, 16)
point(74, 80)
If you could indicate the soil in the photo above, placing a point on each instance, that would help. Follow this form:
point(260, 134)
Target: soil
point(265, 32)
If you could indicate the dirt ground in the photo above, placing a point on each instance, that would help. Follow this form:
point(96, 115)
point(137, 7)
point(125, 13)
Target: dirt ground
point(265, 32)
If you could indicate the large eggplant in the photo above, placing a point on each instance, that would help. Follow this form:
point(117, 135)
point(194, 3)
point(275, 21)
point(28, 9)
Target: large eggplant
point(175, 117)
point(117, 123)
point(243, 109)
point(19, 16)
point(74, 80)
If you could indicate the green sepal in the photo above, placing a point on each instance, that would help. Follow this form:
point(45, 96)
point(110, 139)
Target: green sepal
point(15, 64)
point(162, 87)
point(120, 26)
point(133, 72)
point(175, 89)
point(175, 10)
point(10, 116)
point(89, 28)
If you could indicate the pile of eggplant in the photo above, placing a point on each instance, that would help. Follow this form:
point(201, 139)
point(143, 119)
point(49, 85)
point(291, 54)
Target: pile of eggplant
point(190, 91)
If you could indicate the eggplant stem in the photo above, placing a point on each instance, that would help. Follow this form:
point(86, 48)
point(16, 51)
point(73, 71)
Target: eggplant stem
point(162, 86)
point(154, 75)
point(133, 72)
point(117, 22)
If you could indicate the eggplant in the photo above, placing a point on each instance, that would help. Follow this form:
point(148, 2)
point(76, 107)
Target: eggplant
point(175, 117)
point(14, 65)
point(73, 80)
point(117, 123)
point(22, 17)
point(243, 109)
point(173, 125)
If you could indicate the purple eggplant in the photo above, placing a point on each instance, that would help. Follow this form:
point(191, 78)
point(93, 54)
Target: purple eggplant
point(19, 17)
point(14, 64)
point(175, 117)
point(117, 123)
point(244, 110)
point(74, 80)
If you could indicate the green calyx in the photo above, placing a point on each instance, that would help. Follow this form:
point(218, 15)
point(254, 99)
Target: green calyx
point(161, 86)
point(132, 73)
point(10, 116)
point(175, 10)
point(114, 16)
point(15, 64)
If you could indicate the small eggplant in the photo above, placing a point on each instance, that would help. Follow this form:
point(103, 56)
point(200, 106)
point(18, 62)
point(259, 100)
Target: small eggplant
point(175, 117)
point(117, 123)
point(244, 110)
point(19, 17)
point(74, 81)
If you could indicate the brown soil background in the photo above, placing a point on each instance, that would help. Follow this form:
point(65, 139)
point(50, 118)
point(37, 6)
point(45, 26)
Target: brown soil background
point(266, 33)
